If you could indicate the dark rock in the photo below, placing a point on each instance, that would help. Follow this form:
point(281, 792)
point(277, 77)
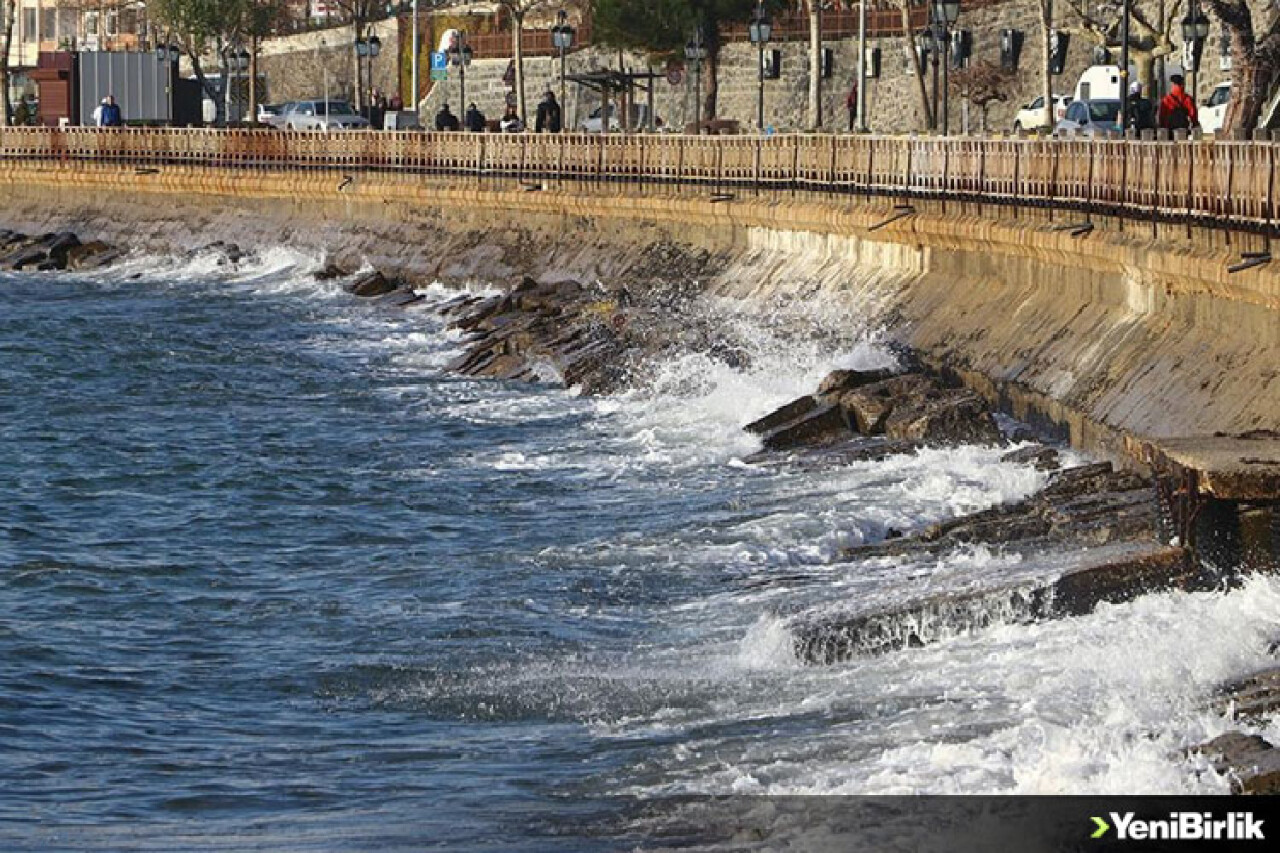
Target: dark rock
point(1252, 698)
point(830, 639)
point(1043, 458)
point(847, 380)
point(328, 272)
point(869, 406)
point(950, 417)
point(1250, 762)
point(371, 284)
point(59, 246)
point(90, 255)
point(822, 425)
point(782, 415)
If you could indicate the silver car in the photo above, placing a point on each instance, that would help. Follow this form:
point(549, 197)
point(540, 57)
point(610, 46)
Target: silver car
point(1090, 118)
point(322, 115)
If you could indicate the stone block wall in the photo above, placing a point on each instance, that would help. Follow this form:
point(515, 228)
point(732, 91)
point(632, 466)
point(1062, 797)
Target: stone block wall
point(294, 68)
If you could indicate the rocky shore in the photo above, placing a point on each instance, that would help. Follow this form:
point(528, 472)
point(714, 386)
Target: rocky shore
point(51, 252)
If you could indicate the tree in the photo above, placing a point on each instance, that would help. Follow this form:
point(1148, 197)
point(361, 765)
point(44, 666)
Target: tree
point(361, 13)
point(814, 8)
point(8, 13)
point(1255, 61)
point(917, 67)
point(198, 27)
point(660, 28)
point(1148, 40)
point(518, 10)
point(981, 84)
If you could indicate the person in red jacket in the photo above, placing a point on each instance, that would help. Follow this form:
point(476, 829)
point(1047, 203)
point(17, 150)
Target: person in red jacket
point(1177, 110)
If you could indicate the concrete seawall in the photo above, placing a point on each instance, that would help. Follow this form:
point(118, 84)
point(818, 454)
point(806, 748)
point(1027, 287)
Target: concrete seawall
point(1130, 329)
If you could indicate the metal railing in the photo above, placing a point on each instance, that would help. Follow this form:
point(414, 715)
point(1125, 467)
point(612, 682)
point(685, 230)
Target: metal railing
point(1231, 184)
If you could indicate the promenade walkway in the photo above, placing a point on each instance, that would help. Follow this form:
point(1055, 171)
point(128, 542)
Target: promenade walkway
point(1224, 184)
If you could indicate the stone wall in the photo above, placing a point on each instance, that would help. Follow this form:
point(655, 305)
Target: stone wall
point(294, 68)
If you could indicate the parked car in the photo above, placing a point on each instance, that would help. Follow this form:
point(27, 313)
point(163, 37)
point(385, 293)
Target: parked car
point(1031, 117)
point(272, 114)
point(322, 115)
point(639, 119)
point(1090, 118)
point(1214, 110)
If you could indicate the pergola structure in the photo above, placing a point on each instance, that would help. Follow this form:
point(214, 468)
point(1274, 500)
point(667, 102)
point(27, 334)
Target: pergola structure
point(624, 83)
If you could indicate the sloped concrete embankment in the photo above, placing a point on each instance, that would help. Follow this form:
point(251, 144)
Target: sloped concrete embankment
point(1132, 329)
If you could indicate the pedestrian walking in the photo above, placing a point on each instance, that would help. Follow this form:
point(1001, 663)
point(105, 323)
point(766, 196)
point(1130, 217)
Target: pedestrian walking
point(511, 122)
point(474, 119)
point(1138, 112)
point(851, 104)
point(548, 118)
point(1177, 110)
point(111, 115)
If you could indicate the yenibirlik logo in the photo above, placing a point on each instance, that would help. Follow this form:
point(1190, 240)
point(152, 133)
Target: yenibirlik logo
point(1182, 826)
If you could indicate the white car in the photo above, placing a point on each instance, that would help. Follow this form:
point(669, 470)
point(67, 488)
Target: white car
point(1090, 118)
point(322, 115)
point(1214, 110)
point(639, 119)
point(1031, 117)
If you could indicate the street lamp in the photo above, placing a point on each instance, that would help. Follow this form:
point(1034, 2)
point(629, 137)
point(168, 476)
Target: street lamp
point(169, 53)
point(562, 39)
point(460, 55)
point(1195, 31)
point(760, 29)
point(942, 16)
point(367, 49)
point(695, 51)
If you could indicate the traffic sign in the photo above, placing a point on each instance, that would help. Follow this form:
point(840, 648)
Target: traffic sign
point(439, 65)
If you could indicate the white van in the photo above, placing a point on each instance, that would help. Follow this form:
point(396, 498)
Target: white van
point(1214, 110)
point(1102, 83)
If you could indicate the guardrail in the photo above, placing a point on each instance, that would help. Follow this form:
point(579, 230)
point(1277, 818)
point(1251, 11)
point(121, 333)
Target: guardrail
point(1231, 184)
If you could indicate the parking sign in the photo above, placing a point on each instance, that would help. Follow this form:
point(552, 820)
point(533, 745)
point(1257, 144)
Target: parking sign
point(439, 65)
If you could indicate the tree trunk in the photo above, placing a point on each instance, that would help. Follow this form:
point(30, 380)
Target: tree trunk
point(517, 52)
point(916, 68)
point(253, 79)
point(1251, 82)
point(10, 14)
point(218, 103)
point(1145, 62)
point(814, 120)
point(713, 75)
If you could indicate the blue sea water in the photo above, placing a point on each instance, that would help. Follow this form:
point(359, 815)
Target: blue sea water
point(270, 578)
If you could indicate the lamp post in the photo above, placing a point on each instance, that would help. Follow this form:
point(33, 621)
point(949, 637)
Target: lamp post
point(562, 39)
point(169, 53)
point(942, 16)
point(366, 49)
point(1124, 67)
point(760, 29)
point(414, 64)
point(461, 57)
point(695, 51)
point(1195, 30)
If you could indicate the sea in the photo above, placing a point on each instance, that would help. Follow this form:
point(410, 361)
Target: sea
point(272, 578)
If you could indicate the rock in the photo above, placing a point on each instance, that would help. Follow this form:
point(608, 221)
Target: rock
point(949, 417)
point(60, 245)
point(869, 406)
point(90, 255)
point(847, 380)
point(1043, 458)
point(823, 425)
point(329, 271)
point(782, 415)
point(28, 256)
point(829, 639)
point(371, 284)
point(1252, 698)
point(1250, 762)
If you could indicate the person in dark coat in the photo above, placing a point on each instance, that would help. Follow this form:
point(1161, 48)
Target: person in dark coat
point(474, 119)
point(111, 116)
point(445, 119)
point(548, 118)
point(1138, 111)
point(1177, 110)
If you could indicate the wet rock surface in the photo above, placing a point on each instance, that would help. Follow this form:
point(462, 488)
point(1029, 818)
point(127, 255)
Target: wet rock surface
point(53, 251)
point(1251, 763)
